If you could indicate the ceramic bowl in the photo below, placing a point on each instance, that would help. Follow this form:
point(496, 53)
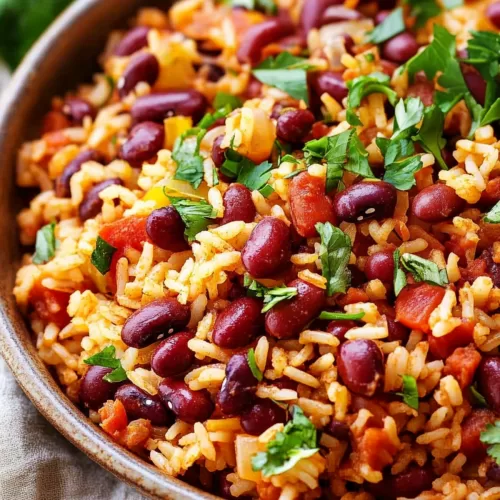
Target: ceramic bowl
point(65, 56)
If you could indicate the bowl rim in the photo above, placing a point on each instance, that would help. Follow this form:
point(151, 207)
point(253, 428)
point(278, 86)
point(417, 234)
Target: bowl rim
point(24, 363)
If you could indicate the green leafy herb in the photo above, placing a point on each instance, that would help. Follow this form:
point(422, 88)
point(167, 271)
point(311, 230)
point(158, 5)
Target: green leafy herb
point(45, 246)
point(195, 214)
point(287, 73)
point(288, 159)
point(399, 275)
point(410, 392)
point(107, 359)
point(401, 174)
point(222, 100)
point(391, 26)
point(210, 118)
point(271, 296)
point(334, 253)
point(407, 115)
point(491, 436)
point(266, 6)
point(352, 118)
point(493, 216)
point(102, 255)
point(294, 174)
point(392, 151)
point(333, 315)
point(424, 270)
point(369, 57)
point(423, 10)
point(477, 396)
point(253, 365)
point(363, 86)
point(297, 441)
point(186, 154)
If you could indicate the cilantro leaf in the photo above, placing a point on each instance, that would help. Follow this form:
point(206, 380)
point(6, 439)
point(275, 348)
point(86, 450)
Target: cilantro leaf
point(45, 246)
point(410, 392)
point(493, 216)
point(363, 86)
point(286, 72)
point(424, 270)
point(491, 436)
point(253, 365)
point(266, 6)
point(222, 99)
point(210, 118)
point(255, 177)
point(334, 316)
point(297, 441)
point(107, 359)
point(423, 10)
point(195, 214)
point(102, 255)
point(335, 253)
point(186, 154)
point(391, 26)
point(271, 296)
point(401, 174)
point(477, 396)
point(352, 118)
point(399, 275)
point(393, 151)
point(407, 115)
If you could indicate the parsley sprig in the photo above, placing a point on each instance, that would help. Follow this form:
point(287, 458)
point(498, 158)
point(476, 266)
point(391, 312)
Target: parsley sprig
point(102, 255)
point(107, 358)
point(493, 216)
point(271, 296)
point(46, 244)
point(491, 436)
point(391, 26)
point(253, 365)
point(340, 316)
point(424, 270)
point(410, 392)
point(195, 214)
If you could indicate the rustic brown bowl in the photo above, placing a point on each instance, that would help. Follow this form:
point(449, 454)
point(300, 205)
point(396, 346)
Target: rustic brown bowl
point(64, 56)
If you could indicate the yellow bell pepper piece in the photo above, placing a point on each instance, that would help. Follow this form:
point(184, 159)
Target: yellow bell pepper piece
point(178, 189)
point(175, 126)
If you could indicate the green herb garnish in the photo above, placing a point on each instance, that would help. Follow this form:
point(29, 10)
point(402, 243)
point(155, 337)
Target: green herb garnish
point(253, 365)
point(271, 296)
point(46, 243)
point(401, 174)
point(363, 86)
point(493, 216)
point(407, 114)
point(186, 154)
point(266, 6)
point(477, 396)
point(424, 270)
point(102, 255)
point(399, 275)
point(107, 359)
point(491, 436)
point(410, 392)
point(391, 26)
point(340, 316)
point(195, 214)
point(222, 100)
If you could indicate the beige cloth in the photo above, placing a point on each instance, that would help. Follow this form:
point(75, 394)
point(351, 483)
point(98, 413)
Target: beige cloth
point(37, 463)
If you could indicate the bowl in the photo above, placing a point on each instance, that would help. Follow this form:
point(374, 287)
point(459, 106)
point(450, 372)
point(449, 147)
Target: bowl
point(64, 57)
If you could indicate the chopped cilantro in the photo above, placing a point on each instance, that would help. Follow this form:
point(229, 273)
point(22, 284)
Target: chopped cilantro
point(253, 365)
point(186, 154)
point(491, 436)
point(424, 270)
point(271, 296)
point(297, 441)
point(396, 150)
point(335, 253)
point(102, 255)
point(369, 57)
point(294, 174)
point(493, 216)
point(210, 118)
point(407, 115)
point(287, 73)
point(289, 159)
point(410, 392)
point(391, 26)
point(401, 174)
point(363, 86)
point(222, 100)
point(195, 214)
point(477, 396)
point(107, 359)
point(46, 244)
point(423, 10)
point(340, 316)
point(352, 118)
point(399, 275)
point(266, 6)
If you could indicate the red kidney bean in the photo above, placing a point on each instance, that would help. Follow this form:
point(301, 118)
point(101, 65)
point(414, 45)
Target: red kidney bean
point(349, 43)
point(492, 266)
point(365, 200)
point(260, 35)
point(358, 277)
point(142, 144)
point(380, 266)
point(215, 73)
point(339, 13)
point(422, 88)
point(400, 48)
point(63, 181)
point(165, 229)
point(76, 109)
point(397, 331)
point(475, 82)
point(92, 204)
point(141, 68)
point(239, 324)
point(472, 426)
point(408, 484)
point(261, 416)
point(94, 390)
point(238, 204)
point(381, 15)
point(489, 381)
point(153, 321)
point(218, 154)
point(330, 82)
point(268, 250)
point(339, 327)
point(134, 40)
point(287, 319)
point(437, 203)
point(188, 405)
point(173, 356)
point(140, 404)
point(312, 13)
point(339, 430)
point(448, 158)
point(309, 204)
point(237, 393)
point(493, 473)
point(254, 88)
point(491, 195)
point(294, 125)
point(360, 365)
point(160, 105)
point(493, 14)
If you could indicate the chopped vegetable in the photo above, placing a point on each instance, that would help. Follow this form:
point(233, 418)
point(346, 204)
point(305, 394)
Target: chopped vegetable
point(493, 216)
point(107, 358)
point(253, 365)
point(401, 174)
point(407, 115)
point(399, 275)
point(410, 391)
point(271, 296)
point(363, 86)
point(424, 270)
point(391, 26)
point(102, 255)
point(186, 154)
point(266, 6)
point(195, 214)
point(340, 316)
point(46, 243)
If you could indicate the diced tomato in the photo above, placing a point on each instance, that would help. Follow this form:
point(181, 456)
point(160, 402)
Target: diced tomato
point(459, 246)
point(54, 121)
point(353, 296)
point(442, 347)
point(113, 417)
point(112, 269)
point(376, 448)
point(474, 269)
point(462, 364)
point(128, 232)
point(319, 130)
point(415, 304)
point(136, 433)
point(50, 305)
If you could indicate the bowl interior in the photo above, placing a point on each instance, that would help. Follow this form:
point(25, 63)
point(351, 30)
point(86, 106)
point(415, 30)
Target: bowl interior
point(65, 56)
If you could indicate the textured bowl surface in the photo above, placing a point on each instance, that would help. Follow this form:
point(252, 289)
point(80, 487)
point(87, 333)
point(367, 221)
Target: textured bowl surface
point(64, 56)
